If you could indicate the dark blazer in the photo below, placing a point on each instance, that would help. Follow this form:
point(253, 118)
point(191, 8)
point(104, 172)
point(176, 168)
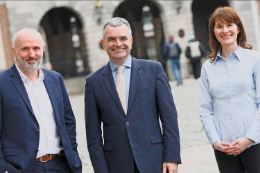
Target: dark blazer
point(135, 137)
point(19, 129)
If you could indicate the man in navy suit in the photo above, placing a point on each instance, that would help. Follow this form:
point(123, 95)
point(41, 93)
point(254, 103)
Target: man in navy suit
point(37, 124)
point(129, 96)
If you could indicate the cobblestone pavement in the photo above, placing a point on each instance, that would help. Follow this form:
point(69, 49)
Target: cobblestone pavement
point(197, 154)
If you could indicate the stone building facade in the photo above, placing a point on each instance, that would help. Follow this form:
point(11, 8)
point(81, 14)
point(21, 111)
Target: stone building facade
point(72, 30)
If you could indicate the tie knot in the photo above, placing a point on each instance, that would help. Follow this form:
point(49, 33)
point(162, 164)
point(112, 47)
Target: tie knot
point(120, 69)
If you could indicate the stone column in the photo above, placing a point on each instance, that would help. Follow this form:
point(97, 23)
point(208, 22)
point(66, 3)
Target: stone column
point(5, 38)
point(2, 52)
point(255, 16)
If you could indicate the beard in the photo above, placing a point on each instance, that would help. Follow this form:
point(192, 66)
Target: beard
point(28, 66)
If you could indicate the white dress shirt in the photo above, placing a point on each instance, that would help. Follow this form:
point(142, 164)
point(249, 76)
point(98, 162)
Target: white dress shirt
point(41, 104)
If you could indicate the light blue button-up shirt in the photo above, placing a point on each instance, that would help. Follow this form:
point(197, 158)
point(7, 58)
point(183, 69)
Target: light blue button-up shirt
point(126, 73)
point(230, 97)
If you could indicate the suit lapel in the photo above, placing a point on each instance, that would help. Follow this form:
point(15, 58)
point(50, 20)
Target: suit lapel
point(135, 76)
point(18, 83)
point(51, 92)
point(110, 84)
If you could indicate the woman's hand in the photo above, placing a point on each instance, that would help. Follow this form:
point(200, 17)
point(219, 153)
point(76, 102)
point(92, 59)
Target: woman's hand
point(224, 146)
point(241, 144)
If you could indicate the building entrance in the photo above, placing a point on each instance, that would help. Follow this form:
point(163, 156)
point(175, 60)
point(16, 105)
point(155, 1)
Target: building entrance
point(201, 15)
point(144, 18)
point(65, 44)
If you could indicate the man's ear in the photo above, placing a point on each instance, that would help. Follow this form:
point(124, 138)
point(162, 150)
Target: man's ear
point(103, 42)
point(131, 40)
point(14, 52)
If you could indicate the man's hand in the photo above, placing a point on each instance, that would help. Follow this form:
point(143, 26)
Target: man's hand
point(172, 167)
point(224, 146)
point(241, 144)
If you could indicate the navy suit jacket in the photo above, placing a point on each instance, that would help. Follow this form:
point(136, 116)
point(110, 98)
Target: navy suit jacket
point(19, 137)
point(135, 137)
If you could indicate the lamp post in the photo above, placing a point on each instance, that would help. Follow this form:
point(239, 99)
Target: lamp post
point(98, 10)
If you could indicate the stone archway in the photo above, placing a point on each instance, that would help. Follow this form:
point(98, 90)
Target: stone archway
point(65, 43)
point(144, 18)
point(201, 16)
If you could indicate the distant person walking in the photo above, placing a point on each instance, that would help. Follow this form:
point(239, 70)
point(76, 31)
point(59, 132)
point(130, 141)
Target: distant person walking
point(194, 52)
point(164, 59)
point(230, 95)
point(172, 51)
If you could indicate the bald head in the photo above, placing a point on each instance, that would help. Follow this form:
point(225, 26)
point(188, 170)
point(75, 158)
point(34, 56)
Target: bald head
point(27, 32)
point(28, 47)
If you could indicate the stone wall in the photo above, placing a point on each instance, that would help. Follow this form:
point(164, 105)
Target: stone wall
point(2, 52)
point(23, 14)
point(173, 22)
point(243, 8)
point(29, 14)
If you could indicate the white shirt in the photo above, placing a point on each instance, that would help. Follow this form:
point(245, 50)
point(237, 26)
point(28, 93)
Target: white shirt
point(41, 104)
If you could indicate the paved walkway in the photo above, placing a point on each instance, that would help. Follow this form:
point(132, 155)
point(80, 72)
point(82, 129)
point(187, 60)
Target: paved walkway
point(197, 154)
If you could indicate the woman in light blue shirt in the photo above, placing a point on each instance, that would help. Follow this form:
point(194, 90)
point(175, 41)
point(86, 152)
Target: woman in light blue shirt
point(230, 95)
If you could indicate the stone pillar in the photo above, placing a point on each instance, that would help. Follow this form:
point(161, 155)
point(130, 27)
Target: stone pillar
point(255, 16)
point(5, 38)
point(2, 52)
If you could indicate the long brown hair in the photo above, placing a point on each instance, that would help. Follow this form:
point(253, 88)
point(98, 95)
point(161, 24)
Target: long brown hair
point(225, 15)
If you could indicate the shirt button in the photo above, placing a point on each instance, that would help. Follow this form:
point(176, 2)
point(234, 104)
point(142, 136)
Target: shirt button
point(37, 131)
point(127, 123)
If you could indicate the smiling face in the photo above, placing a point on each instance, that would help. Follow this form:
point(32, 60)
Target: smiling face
point(117, 42)
point(226, 33)
point(28, 51)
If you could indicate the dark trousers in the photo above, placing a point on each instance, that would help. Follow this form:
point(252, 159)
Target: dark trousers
point(196, 67)
point(246, 162)
point(56, 165)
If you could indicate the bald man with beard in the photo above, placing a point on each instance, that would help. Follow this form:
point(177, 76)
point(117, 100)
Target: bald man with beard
point(37, 124)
